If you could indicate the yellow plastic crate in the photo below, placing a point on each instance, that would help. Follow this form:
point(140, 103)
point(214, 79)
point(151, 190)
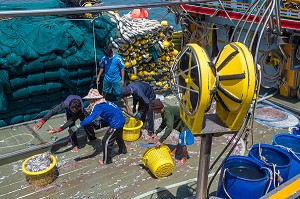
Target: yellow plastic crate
point(159, 161)
point(132, 129)
point(40, 178)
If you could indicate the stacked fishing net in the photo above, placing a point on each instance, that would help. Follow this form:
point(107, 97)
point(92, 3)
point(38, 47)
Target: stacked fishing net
point(45, 59)
point(147, 49)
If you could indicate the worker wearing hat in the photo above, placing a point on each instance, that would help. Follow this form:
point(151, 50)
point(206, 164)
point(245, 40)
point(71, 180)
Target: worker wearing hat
point(143, 94)
point(110, 113)
point(171, 120)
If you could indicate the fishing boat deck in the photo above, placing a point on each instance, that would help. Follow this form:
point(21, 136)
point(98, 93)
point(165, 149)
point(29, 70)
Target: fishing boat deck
point(81, 176)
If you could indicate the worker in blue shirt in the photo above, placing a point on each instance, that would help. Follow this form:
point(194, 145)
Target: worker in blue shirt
point(113, 66)
point(110, 113)
point(143, 94)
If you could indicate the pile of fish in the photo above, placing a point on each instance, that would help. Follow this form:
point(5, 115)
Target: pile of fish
point(147, 49)
point(39, 162)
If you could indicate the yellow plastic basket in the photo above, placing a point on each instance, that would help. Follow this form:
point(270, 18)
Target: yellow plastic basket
point(40, 178)
point(132, 129)
point(159, 161)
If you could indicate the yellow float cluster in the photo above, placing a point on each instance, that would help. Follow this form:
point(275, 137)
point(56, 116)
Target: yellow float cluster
point(148, 54)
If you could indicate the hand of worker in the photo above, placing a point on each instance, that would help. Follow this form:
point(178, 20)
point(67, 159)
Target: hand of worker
point(98, 80)
point(128, 110)
point(38, 125)
point(133, 109)
point(122, 83)
point(138, 116)
point(51, 131)
point(153, 136)
point(75, 128)
point(158, 144)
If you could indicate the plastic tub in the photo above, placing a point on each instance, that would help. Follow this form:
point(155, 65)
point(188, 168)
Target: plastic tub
point(274, 156)
point(132, 129)
point(296, 129)
point(292, 142)
point(242, 178)
point(40, 178)
point(159, 161)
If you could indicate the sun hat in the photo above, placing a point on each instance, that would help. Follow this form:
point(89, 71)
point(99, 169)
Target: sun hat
point(93, 94)
point(156, 104)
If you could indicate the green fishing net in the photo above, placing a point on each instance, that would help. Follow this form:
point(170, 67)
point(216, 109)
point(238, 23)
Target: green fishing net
point(43, 59)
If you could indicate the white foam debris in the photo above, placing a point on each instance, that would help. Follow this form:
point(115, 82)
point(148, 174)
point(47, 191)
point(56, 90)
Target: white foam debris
point(120, 187)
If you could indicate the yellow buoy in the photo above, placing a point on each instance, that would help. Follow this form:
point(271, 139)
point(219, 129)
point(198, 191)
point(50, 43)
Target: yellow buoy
point(127, 64)
point(145, 72)
point(88, 15)
point(133, 62)
point(175, 52)
point(166, 44)
point(133, 77)
point(159, 83)
point(164, 23)
point(152, 73)
point(140, 73)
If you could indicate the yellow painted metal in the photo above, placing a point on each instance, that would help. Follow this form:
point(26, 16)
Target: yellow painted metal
point(240, 89)
point(231, 81)
point(292, 77)
point(207, 82)
point(287, 190)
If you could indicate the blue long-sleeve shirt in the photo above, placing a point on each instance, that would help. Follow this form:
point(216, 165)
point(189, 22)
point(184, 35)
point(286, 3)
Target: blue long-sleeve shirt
point(142, 92)
point(109, 112)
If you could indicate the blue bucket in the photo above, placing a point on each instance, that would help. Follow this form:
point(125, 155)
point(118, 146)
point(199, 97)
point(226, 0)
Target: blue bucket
point(293, 142)
point(273, 155)
point(296, 129)
point(242, 178)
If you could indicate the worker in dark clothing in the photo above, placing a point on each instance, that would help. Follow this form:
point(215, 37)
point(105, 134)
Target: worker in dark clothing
point(110, 113)
point(143, 94)
point(74, 110)
point(171, 120)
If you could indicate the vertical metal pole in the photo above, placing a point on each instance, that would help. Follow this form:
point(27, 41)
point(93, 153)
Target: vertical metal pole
point(204, 160)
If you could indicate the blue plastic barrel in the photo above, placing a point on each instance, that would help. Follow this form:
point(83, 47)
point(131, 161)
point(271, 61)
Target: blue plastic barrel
point(292, 142)
point(273, 155)
point(242, 178)
point(296, 129)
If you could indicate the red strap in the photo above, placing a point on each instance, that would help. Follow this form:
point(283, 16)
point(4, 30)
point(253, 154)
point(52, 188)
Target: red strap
point(59, 129)
point(42, 121)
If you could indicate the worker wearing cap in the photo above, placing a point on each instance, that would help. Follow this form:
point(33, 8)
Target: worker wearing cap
point(74, 110)
point(171, 120)
point(110, 113)
point(143, 94)
point(113, 67)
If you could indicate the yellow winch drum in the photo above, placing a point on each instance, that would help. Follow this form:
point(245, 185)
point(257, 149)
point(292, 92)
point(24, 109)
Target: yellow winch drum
point(159, 161)
point(132, 129)
point(40, 178)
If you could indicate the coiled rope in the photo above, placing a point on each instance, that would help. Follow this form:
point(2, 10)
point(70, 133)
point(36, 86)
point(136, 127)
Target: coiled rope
point(271, 79)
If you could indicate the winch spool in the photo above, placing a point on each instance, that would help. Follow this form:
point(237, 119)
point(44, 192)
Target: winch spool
point(231, 81)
